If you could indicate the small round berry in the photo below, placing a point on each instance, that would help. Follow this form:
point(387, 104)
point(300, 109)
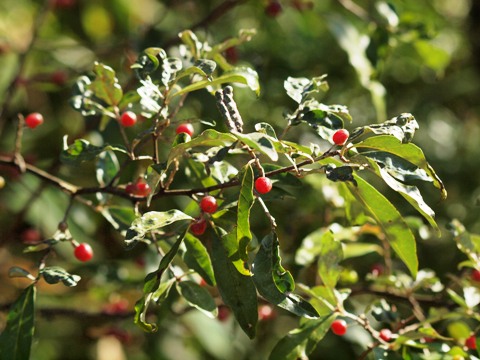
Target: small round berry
point(83, 252)
point(33, 120)
point(475, 275)
point(273, 9)
point(263, 185)
point(131, 188)
point(63, 4)
point(266, 312)
point(385, 334)
point(119, 306)
point(471, 343)
point(186, 128)
point(142, 188)
point(231, 54)
point(208, 204)
point(340, 137)
point(128, 119)
point(202, 282)
point(31, 236)
point(377, 269)
point(339, 327)
point(198, 227)
point(223, 313)
point(59, 77)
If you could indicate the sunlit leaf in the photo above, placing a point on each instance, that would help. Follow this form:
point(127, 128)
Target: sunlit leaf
point(81, 150)
point(105, 86)
point(260, 142)
point(55, 274)
point(329, 258)
point(245, 203)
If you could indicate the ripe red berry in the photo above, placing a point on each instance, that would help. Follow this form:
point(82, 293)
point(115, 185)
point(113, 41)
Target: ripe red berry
point(83, 252)
point(223, 313)
point(33, 120)
point(142, 188)
point(339, 327)
point(208, 204)
point(273, 9)
point(198, 227)
point(31, 236)
point(263, 185)
point(377, 269)
point(231, 55)
point(385, 335)
point(128, 119)
point(131, 188)
point(475, 275)
point(63, 4)
point(340, 136)
point(59, 77)
point(471, 343)
point(266, 312)
point(186, 128)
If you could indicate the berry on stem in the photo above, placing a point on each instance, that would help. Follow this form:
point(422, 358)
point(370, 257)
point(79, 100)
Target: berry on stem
point(475, 275)
point(263, 185)
point(208, 204)
point(471, 342)
point(266, 312)
point(273, 9)
point(339, 327)
point(128, 119)
point(385, 334)
point(83, 252)
point(33, 120)
point(340, 136)
point(198, 227)
point(143, 189)
point(186, 128)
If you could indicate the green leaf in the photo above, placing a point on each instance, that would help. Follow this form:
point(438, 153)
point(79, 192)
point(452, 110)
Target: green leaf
point(81, 150)
point(197, 258)
point(189, 38)
point(151, 221)
point(260, 142)
point(241, 75)
point(55, 274)
point(299, 89)
point(467, 243)
point(393, 225)
point(409, 152)
point(16, 271)
point(170, 67)
point(198, 297)
point(245, 203)
point(83, 100)
point(266, 271)
point(328, 262)
point(105, 86)
point(302, 341)
point(311, 247)
point(107, 167)
point(402, 127)
point(120, 217)
point(238, 291)
point(148, 62)
point(16, 338)
point(154, 289)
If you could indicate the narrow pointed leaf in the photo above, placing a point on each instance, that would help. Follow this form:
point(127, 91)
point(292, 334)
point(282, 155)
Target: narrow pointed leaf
point(197, 258)
point(265, 267)
point(16, 338)
point(237, 290)
point(245, 203)
point(55, 274)
point(198, 297)
point(328, 262)
point(260, 142)
point(393, 225)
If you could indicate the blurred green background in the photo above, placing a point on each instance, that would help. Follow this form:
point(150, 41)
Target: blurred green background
point(382, 59)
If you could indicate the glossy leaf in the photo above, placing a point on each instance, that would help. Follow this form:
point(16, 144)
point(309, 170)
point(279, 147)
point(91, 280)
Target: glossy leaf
point(467, 243)
point(329, 258)
point(198, 259)
point(198, 297)
point(393, 225)
point(148, 62)
point(402, 127)
point(409, 152)
point(105, 86)
point(81, 150)
point(260, 142)
point(245, 203)
point(55, 274)
point(246, 76)
point(238, 291)
point(107, 167)
point(151, 221)
point(301, 88)
point(16, 338)
point(266, 270)
point(302, 341)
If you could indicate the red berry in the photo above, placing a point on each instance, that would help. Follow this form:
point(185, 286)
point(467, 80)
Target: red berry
point(339, 327)
point(340, 136)
point(198, 227)
point(83, 252)
point(186, 128)
point(377, 270)
point(263, 185)
point(119, 306)
point(223, 312)
point(232, 55)
point(31, 236)
point(142, 188)
point(33, 120)
point(385, 335)
point(208, 204)
point(131, 188)
point(63, 4)
point(475, 275)
point(59, 77)
point(266, 312)
point(471, 342)
point(202, 282)
point(128, 119)
point(273, 9)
